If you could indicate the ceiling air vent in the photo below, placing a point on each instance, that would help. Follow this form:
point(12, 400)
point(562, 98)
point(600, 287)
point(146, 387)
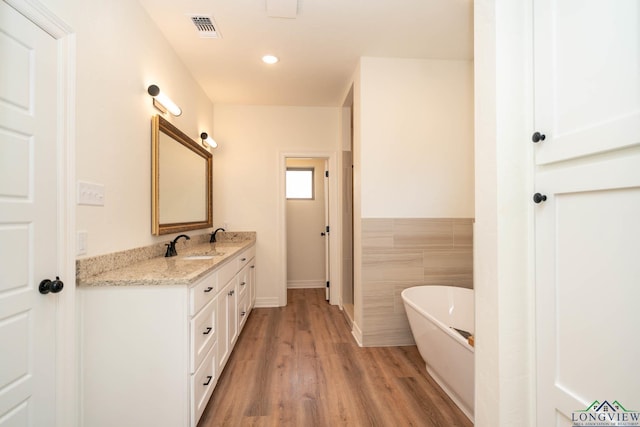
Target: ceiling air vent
point(206, 27)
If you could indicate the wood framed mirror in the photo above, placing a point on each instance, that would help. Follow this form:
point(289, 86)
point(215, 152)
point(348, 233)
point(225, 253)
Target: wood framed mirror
point(181, 172)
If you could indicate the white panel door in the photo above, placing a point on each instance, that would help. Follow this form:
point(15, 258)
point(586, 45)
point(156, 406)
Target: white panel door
point(28, 220)
point(327, 236)
point(587, 231)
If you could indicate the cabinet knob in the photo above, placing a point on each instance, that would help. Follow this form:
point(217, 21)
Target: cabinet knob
point(209, 289)
point(231, 293)
point(243, 313)
point(243, 283)
point(537, 137)
point(539, 198)
point(207, 331)
point(243, 259)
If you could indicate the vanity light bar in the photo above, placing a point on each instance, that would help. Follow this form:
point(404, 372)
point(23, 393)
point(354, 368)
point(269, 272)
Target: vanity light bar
point(162, 102)
point(207, 141)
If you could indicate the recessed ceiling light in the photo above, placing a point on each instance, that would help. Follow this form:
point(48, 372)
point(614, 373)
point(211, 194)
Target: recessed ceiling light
point(270, 59)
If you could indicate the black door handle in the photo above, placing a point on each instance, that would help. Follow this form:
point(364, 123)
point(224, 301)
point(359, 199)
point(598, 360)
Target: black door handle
point(53, 286)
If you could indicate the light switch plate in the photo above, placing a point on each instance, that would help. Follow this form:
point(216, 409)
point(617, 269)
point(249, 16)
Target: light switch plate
point(90, 194)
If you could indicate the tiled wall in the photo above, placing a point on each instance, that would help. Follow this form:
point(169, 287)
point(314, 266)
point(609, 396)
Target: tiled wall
point(400, 253)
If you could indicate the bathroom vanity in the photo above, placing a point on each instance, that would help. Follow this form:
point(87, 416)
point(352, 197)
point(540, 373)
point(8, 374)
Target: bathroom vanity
point(156, 334)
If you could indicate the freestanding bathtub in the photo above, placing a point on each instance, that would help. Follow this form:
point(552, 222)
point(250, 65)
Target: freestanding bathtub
point(433, 312)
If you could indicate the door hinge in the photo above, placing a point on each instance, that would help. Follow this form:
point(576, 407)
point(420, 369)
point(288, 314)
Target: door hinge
point(327, 284)
point(326, 174)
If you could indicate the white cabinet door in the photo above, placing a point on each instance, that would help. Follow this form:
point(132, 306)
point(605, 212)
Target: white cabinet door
point(252, 284)
point(587, 76)
point(227, 322)
point(587, 231)
point(232, 314)
point(28, 220)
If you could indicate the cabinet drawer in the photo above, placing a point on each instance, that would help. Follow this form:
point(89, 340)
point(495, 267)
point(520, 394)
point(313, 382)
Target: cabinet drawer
point(226, 273)
point(245, 257)
point(243, 281)
point(202, 384)
point(203, 331)
point(202, 293)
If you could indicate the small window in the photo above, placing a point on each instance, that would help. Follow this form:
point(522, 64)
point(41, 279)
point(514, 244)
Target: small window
point(300, 183)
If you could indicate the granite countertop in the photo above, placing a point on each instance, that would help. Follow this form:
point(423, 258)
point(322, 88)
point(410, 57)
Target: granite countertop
point(175, 270)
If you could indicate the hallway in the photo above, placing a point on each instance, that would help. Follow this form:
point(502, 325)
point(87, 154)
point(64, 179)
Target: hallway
point(299, 366)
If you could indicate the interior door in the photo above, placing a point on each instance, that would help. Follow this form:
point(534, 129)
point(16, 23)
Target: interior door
point(327, 266)
point(587, 228)
point(28, 221)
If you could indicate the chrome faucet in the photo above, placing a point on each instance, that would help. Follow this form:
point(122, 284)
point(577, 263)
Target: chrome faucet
point(213, 235)
point(171, 246)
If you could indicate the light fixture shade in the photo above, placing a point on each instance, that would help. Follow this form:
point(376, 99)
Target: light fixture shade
point(207, 141)
point(165, 102)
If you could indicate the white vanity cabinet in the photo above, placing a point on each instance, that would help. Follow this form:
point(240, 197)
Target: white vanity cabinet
point(232, 302)
point(151, 353)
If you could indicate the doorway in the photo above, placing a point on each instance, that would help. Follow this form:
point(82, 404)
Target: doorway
point(347, 208)
point(332, 254)
point(307, 223)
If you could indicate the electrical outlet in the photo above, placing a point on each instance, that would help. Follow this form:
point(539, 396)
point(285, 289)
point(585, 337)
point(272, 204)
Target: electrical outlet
point(82, 238)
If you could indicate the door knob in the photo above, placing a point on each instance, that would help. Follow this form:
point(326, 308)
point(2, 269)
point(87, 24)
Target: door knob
point(53, 286)
point(538, 198)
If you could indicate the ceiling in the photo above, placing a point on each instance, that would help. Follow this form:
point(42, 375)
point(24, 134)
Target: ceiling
point(318, 49)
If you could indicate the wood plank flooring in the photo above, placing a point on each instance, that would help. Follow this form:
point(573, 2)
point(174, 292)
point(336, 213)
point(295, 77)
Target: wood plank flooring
point(299, 366)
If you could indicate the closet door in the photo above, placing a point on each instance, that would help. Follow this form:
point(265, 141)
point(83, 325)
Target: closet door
point(587, 206)
point(30, 226)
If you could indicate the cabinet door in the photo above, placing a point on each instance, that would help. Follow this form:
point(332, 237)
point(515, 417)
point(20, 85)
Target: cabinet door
point(252, 284)
point(232, 317)
point(227, 322)
point(243, 310)
point(587, 56)
point(222, 328)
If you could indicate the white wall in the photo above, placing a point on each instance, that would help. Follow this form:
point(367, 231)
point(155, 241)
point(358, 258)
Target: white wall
point(412, 146)
point(503, 277)
point(417, 138)
point(305, 222)
point(120, 52)
point(246, 181)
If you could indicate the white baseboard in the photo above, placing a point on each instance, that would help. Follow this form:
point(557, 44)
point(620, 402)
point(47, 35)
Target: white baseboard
point(267, 302)
point(306, 284)
point(357, 333)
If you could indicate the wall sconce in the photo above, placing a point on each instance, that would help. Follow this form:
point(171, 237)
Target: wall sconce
point(162, 102)
point(207, 141)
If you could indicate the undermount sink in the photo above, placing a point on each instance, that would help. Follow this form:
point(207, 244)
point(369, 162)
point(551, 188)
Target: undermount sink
point(195, 257)
point(203, 255)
